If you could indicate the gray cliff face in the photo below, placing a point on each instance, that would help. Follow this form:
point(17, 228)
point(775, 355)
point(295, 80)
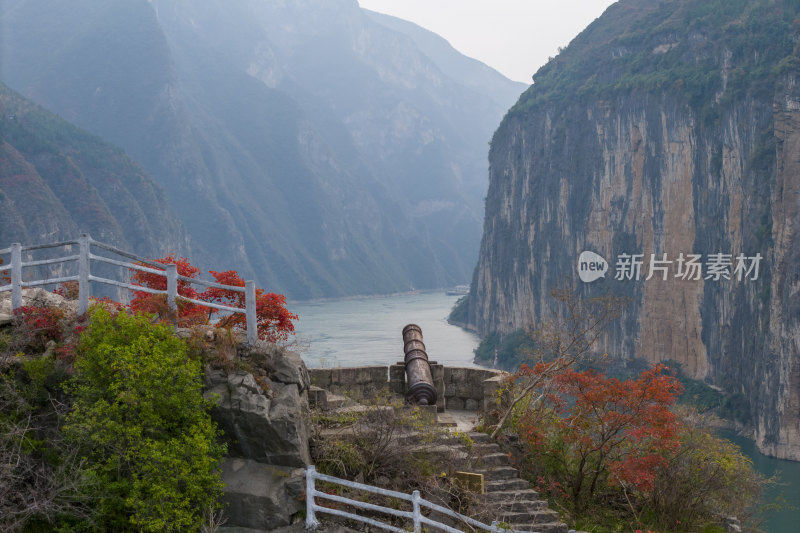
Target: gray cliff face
point(648, 172)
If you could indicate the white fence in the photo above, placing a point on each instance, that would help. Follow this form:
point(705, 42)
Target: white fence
point(84, 278)
point(415, 515)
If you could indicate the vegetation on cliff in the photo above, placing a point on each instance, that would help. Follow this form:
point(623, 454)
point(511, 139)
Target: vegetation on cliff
point(677, 46)
point(613, 453)
point(104, 426)
point(57, 181)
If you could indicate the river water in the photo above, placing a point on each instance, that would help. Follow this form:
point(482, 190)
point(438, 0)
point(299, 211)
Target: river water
point(785, 520)
point(368, 331)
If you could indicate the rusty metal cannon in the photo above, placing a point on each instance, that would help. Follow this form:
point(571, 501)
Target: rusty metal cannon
point(418, 372)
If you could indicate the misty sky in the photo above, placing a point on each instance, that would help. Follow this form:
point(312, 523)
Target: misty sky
point(513, 36)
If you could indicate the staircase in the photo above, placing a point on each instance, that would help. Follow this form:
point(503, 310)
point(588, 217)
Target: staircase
point(511, 499)
point(508, 498)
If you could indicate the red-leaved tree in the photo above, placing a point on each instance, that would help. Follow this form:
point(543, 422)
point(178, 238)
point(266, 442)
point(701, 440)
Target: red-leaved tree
point(274, 321)
point(602, 432)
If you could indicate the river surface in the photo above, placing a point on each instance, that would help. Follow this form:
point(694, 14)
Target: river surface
point(786, 520)
point(369, 331)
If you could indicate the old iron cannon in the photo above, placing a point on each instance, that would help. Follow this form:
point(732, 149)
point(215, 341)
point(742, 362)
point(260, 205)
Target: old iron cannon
point(418, 371)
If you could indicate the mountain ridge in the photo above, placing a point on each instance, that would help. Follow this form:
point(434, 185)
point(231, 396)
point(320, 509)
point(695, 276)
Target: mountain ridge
point(302, 144)
point(57, 181)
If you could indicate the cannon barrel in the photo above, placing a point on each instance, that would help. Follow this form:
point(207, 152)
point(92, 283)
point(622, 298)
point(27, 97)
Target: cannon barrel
point(418, 372)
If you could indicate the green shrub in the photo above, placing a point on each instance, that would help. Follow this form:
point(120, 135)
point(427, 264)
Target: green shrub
point(141, 423)
point(706, 478)
point(511, 349)
point(460, 312)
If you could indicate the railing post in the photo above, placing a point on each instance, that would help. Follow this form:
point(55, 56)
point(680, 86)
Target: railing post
point(172, 286)
point(83, 273)
point(16, 276)
point(311, 518)
point(250, 310)
point(416, 510)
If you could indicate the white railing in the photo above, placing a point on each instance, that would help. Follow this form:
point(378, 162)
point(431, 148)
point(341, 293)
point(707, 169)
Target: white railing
point(415, 515)
point(84, 278)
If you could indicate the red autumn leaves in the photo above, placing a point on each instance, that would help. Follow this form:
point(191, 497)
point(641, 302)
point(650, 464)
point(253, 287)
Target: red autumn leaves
point(274, 320)
point(602, 430)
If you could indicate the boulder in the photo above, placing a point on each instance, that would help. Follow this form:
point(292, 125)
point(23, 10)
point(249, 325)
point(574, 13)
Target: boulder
point(260, 497)
point(269, 427)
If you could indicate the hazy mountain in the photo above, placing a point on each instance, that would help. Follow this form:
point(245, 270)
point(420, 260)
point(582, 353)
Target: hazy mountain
point(58, 181)
point(464, 70)
point(316, 146)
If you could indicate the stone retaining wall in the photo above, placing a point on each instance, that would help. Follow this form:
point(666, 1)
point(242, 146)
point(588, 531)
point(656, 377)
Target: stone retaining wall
point(470, 389)
point(357, 382)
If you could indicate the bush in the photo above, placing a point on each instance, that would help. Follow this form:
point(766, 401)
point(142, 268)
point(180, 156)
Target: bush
point(511, 349)
point(708, 477)
point(41, 477)
point(614, 452)
point(142, 425)
point(395, 447)
point(41, 325)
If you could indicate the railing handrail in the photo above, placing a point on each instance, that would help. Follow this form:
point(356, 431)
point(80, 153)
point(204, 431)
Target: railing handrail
point(84, 278)
point(415, 514)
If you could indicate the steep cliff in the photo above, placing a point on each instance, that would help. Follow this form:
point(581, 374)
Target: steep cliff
point(664, 128)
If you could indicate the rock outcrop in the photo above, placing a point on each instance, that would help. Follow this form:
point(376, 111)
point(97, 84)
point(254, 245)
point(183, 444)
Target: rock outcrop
point(35, 297)
point(263, 412)
point(652, 136)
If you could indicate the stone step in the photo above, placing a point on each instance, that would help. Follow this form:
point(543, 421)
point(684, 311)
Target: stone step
point(337, 402)
point(317, 397)
point(506, 485)
point(520, 506)
point(445, 419)
point(530, 517)
point(445, 453)
point(497, 473)
point(492, 459)
point(548, 527)
point(511, 495)
point(326, 400)
point(483, 448)
point(479, 437)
